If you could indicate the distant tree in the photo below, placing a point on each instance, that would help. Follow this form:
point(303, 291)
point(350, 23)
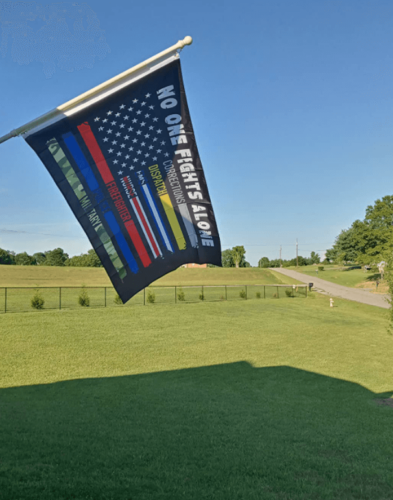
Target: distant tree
point(301, 261)
point(238, 254)
point(39, 258)
point(89, 259)
point(264, 262)
point(227, 258)
point(368, 241)
point(276, 263)
point(92, 259)
point(330, 255)
point(314, 258)
point(6, 257)
point(24, 259)
point(56, 257)
point(76, 261)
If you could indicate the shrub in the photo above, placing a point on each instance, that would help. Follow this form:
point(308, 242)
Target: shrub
point(201, 296)
point(275, 296)
point(37, 301)
point(321, 268)
point(181, 296)
point(84, 299)
point(258, 295)
point(289, 293)
point(117, 300)
point(243, 294)
point(151, 297)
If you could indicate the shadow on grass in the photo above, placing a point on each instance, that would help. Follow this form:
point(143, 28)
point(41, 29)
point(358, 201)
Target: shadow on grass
point(373, 277)
point(221, 432)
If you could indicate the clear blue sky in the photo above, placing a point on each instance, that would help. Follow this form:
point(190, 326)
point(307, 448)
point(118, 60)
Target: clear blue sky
point(291, 103)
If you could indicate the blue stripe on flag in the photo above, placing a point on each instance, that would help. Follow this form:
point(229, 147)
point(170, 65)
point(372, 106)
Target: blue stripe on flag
point(156, 215)
point(80, 159)
point(111, 220)
point(92, 182)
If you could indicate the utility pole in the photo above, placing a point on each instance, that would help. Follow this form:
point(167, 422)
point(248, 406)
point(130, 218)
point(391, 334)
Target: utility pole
point(280, 257)
point(297, 260)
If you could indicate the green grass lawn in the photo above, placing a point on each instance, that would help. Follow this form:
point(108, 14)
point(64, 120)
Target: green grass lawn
point(350, 278)
point(188, 281)
point(33, 276)
point(227, 400)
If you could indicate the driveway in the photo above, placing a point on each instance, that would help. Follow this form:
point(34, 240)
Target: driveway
point(343, 292)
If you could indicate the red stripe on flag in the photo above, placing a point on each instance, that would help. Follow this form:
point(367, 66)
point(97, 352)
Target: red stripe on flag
point(138, 243)
point(106, 174)
point(95, 151)
point(147, 229)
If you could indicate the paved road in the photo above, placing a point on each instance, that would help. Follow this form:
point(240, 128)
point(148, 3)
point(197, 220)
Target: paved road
point(343, 292)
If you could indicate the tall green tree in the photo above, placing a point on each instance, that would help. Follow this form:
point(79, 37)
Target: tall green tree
point(89, 259)
point(56, 257)
point(263, 262)
point(239, 253)
point(7, 257)
point(367, 241)
point(24, 259)
point(39, 258)
point(227, 258)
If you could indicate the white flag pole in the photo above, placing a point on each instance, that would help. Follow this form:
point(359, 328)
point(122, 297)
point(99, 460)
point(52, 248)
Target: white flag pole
point(96, 90)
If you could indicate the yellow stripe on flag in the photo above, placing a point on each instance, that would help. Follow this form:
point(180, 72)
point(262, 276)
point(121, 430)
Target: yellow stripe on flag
point(174, 223)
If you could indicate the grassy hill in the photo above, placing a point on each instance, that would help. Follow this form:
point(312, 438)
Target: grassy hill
point(227, 400)
point(31, 276)
point(356, 278)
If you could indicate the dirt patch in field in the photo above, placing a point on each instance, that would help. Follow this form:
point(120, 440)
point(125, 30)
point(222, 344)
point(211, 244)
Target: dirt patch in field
point(371, 285)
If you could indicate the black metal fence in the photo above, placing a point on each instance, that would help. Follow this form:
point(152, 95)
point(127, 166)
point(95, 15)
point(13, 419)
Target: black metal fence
point(22, 299)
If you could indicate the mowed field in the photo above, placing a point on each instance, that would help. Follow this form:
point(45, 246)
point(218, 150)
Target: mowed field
point(257, 399)
point(210, 284)
point(356, 278)
point(33, 276)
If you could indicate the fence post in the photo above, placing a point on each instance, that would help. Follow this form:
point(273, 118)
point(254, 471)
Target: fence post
point(59, 297)
point(306, 290)
point(226, 296)
point(175, 295)
point(5, 300)
point(105, 296)
point(246, 293)
point(278, 296)
point(144, 296)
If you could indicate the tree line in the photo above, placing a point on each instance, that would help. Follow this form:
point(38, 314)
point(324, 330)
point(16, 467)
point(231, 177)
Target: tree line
point(56, 257)
point(368, 241)
point(301, 261)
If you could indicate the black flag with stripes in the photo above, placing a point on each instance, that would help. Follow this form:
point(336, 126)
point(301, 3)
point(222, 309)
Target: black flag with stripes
point(129, 168)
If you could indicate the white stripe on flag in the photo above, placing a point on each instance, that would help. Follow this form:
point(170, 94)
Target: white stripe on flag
point(157, 217)
point(148, 225)
point(183, 209)
point(143, 227)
